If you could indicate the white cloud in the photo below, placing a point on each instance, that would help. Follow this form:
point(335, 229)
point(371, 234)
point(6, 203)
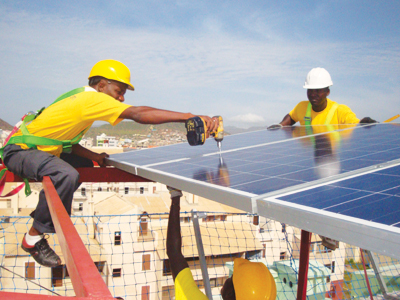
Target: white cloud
point(247, 118)
point(204, 71)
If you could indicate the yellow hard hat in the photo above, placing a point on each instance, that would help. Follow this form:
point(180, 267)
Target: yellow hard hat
point(252, 281)
point(113, 70)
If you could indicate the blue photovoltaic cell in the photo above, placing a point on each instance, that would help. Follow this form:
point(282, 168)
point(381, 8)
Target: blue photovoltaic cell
point(373, 197)
point(343, 184)
point(264, 161)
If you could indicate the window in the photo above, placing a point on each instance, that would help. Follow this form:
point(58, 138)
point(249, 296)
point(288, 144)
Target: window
point(264, 250)
point(284, 280)
point(146, 292)
point(80, 206)
point(141, 190)
point(117, 238)
point(83, 191)
point(100, 266)
point(209, 219)
point(116, 272)
point(126, 190)
point(99, 189)
point(213, 282)
point(30, 270)
point(262, 230)
point(145, 262)
point(185, 219)
point(143, 227)
point(290, 284)
point(282, 255)
point(154, 189)
point(166, 268)
point(333, 267)
point(256, 220)
point(58, 274)
point(314, 246)
point(283, 227)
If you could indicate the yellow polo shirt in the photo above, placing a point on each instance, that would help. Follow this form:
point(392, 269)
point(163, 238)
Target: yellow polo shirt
point(342, 115)
point(67, 118)
point(186, 288)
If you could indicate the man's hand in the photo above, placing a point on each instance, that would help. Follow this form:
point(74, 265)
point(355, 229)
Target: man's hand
point(274, 127)
point(211, 123)
point(367, 120)
point(100, 159)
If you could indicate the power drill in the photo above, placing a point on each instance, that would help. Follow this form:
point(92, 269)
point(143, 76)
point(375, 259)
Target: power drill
point(197, 129)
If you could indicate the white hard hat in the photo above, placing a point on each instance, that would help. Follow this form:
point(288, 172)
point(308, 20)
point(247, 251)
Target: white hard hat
point(318, 78)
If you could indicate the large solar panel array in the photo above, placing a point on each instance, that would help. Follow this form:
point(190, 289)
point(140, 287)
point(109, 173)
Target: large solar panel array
point(342, 181)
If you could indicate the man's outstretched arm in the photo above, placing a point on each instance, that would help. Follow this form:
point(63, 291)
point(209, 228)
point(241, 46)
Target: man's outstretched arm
point(287, 121)
point(151, 115)
point(177, 261)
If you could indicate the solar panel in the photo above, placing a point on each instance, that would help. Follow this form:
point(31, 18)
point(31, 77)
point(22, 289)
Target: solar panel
point(345, 177)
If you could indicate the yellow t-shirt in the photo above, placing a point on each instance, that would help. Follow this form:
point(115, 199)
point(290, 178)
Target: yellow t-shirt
point(67, 118)
point(186, 288)
point(342, 115)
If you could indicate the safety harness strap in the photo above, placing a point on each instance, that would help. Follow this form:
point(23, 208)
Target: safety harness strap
point(33, 141)
point(329, 117)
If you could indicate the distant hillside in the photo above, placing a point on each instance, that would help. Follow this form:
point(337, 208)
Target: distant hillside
point(128, 128)
point(235, 130)
point(5, 126)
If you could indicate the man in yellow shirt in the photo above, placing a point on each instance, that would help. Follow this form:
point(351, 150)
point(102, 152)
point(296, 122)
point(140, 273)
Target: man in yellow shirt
point(67, 119)
point(250, 280)
point(319, 110)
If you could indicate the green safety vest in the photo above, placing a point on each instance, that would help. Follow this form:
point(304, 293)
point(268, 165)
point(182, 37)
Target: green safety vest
point(307, 120)
point(33, 141)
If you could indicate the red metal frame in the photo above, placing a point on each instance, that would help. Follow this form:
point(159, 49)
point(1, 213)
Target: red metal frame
point(108, 174)
point(303, 268)
point(86, 279)
point(21, 296)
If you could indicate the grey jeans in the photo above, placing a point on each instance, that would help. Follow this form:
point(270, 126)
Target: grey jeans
point(34, 164)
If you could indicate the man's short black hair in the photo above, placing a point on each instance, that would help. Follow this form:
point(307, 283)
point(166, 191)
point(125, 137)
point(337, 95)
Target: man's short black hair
point(95, 80)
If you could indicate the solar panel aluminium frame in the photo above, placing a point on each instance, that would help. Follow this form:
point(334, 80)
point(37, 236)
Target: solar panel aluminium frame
point(379, 238)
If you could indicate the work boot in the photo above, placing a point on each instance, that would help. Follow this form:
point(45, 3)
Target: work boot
point(42, 253)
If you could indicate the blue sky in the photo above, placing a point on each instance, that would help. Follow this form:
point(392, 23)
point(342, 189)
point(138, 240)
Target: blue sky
point(244, 60)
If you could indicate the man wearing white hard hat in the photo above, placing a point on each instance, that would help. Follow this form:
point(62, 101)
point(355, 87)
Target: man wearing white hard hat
point(319, 110)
